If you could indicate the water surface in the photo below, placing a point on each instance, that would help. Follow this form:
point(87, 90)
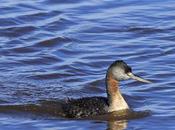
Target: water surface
point(58, 49)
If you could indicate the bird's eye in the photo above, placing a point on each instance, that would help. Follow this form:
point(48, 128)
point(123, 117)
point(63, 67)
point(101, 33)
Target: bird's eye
point(128, 69)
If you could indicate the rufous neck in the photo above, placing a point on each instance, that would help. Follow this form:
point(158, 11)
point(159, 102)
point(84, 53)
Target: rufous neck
point(115, 99)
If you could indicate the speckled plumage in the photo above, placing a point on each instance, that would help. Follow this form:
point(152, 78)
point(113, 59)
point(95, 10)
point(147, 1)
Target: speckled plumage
point(85, 107)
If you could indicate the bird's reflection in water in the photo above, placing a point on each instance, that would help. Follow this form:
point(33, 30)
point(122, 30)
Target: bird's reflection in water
point(117, 125)
point(119, 120)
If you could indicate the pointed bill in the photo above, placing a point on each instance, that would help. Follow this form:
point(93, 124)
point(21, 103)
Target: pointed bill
point(132, 76)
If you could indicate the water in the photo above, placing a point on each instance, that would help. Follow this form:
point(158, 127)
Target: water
point(58, 49)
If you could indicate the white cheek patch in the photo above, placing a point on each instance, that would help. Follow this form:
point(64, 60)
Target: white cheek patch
point(120, 74)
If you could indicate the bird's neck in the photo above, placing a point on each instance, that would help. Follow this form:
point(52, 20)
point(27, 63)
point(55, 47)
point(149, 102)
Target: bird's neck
point(115, 98)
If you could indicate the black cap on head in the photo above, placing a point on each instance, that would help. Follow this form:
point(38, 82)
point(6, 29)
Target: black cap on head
point(122, 65)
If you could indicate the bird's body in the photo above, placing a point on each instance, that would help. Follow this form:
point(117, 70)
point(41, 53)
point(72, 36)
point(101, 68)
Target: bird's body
point(85, 107)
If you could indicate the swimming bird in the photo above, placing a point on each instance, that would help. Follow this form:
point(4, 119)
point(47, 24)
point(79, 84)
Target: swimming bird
point(89, 106)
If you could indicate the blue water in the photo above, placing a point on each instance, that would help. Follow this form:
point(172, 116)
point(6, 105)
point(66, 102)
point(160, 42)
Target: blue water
point(57, 49)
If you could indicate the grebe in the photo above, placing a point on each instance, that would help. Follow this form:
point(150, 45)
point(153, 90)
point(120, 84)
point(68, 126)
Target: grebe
point(88, 106)
point(91, 106)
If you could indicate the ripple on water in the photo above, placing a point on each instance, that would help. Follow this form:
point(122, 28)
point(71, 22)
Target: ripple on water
point(57, 41)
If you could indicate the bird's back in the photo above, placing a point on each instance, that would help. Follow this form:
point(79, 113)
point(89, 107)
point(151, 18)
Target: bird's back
point(85, 107)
